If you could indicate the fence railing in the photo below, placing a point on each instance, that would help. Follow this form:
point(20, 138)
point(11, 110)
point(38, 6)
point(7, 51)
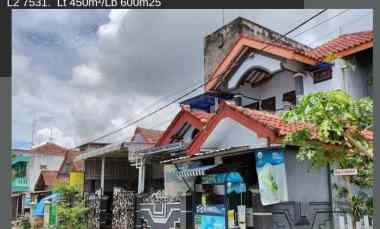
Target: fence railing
point(345, 222)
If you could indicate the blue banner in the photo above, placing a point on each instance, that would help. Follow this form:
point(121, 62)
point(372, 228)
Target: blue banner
point(270, 167)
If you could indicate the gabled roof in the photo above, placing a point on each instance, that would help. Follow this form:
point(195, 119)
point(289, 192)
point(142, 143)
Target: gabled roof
point(47, 178)
point(241, 49)
point(197, 119)
point(343, 45)
point(73, 165)
point(150, 136)
point(49, 149)
point(266, 125)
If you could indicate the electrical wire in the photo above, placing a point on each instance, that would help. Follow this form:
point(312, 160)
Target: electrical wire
point(193, 90)
point(322, 22)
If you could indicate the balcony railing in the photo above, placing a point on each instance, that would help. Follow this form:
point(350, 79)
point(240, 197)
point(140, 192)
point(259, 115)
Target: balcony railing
point(20, 184)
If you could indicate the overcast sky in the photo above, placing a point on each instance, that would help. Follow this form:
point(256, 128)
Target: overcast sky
point(80, 73)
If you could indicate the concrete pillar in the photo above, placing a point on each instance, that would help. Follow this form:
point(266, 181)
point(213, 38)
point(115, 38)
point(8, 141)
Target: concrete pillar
point(102, 175)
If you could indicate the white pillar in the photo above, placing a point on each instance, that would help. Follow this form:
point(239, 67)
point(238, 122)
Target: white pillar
point(141, 179)
point(102, 175)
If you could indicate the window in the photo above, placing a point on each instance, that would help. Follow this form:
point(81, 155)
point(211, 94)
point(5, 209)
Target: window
point(255, 106)
point(43, 167)
point(269, 104)
point(290, 97)
point(321, 75)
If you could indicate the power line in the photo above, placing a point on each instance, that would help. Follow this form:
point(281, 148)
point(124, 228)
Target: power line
point(195, 89)
point(144, 117)
point(284, 35)
point(295, 28)
point(354, 21)
point(322, 22)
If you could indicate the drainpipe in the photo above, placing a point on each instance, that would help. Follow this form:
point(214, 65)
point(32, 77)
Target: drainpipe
point(343, 68)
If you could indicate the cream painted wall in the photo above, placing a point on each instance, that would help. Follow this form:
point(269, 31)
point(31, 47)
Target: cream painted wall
point(229, 133)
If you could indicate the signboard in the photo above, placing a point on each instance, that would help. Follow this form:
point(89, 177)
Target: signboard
point(345, 172)
point(77, 178)
point(270, 167)
point(209, 221)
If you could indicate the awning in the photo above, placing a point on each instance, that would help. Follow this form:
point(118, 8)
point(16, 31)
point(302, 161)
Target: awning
point(114, 149)
point(199, 171)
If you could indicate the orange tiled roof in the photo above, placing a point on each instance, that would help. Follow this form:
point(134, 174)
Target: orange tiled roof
point(76, 165)
point(274, 127)
point(150, 136)
point(274, 122)
point(196, 118)
point(270, 120)
point(201, 115)
point(49, 149)
point(340, 44)
point(50, 178)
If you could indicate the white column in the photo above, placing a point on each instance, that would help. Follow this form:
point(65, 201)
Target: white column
point(141, 180)
point(102, 175)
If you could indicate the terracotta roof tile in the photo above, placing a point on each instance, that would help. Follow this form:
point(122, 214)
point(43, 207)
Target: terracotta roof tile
point(202, 116)
point(339, 44)
point(150, 136)
point(49, 149)
point(274, 122)
point(50, 178)
point(76, 165)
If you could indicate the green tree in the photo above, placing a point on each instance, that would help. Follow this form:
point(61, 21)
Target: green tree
point(338, 135)
point(71, 210)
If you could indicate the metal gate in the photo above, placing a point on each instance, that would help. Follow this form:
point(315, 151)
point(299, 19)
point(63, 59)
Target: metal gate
point(123, 209)
point(93, 216)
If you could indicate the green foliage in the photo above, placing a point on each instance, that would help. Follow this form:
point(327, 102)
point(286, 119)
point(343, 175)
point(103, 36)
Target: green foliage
point(336, 137)
point(71, 210)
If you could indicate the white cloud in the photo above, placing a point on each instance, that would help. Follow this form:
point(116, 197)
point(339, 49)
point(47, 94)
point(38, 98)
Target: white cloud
point(118, 121)
point(54, 135)
point(86, 75)
point(94, 69)
point(111, 29)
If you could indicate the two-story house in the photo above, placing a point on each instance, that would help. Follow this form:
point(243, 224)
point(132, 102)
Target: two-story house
point(236, 160)
point(19, 182)
point(251, 62)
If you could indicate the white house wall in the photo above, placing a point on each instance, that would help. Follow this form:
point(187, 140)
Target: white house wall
point(358, 72)
point(52, 162)
point(281, 82)
point(229, 133)
point(334, 83)
point(305, 183)
point(353, 80)
point(139, 138)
